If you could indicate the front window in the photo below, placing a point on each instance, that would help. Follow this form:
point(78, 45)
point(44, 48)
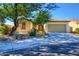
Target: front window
point(23, 25)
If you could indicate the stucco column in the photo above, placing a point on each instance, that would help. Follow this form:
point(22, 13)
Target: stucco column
point(46, 27)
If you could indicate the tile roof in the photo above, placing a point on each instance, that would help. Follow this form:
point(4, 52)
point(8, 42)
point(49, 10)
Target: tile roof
point(59, 20)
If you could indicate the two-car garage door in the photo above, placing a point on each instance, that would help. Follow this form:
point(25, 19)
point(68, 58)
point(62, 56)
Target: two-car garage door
point(57, 27)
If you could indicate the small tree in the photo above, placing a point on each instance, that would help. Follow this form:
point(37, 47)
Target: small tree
point(13, 10)
point(41, 19)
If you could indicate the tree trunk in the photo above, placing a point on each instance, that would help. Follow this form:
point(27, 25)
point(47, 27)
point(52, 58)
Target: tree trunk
point(41, 28)
point(15, 21)
point(34, 25)
point(13, 28)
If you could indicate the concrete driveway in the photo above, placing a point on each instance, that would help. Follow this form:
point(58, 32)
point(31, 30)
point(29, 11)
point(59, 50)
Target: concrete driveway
point(52, 44)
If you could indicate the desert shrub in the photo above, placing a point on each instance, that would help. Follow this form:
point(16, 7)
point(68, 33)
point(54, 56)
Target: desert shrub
point(1, 29)
point(4, 30)
point(33, 32)
point(77, 30)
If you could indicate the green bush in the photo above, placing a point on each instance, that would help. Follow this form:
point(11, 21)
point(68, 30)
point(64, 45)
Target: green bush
point(33, 32)
point(4, 30)
point(1, 29)
point(77, 30)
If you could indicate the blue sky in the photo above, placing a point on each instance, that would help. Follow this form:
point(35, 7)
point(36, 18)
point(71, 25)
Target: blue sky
point(65, 12)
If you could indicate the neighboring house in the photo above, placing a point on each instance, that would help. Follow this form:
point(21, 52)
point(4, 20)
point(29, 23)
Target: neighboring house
point(74, 24)
point(52, 26)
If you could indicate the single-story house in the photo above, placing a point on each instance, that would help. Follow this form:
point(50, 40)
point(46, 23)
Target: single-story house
point(51, 26)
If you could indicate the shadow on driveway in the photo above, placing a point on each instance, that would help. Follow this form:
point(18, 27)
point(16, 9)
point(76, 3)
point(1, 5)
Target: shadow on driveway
point(65, 49)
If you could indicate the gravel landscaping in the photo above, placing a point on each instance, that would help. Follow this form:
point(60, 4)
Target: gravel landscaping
point(51, 45)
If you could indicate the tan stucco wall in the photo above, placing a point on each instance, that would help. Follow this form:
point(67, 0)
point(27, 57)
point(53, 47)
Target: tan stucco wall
point(28, 27)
